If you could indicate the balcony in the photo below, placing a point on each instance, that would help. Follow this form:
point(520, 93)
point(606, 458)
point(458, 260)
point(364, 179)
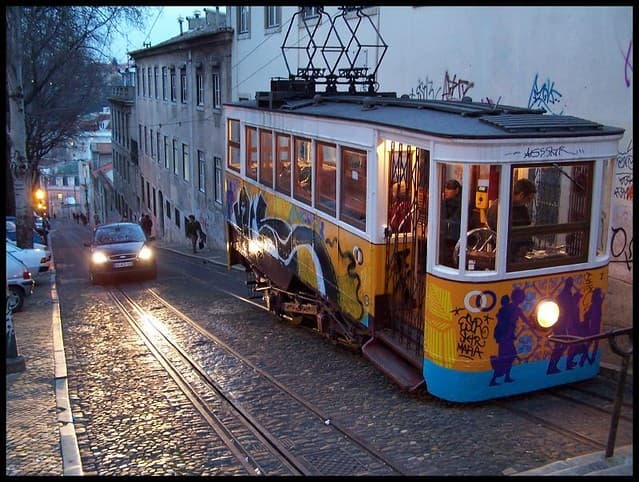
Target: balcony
point(122, 93)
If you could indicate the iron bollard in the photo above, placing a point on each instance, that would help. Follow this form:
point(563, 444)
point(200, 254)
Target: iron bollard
point(15, 362)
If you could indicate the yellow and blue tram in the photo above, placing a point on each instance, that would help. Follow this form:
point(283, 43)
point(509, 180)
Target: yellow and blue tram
point(339, 207)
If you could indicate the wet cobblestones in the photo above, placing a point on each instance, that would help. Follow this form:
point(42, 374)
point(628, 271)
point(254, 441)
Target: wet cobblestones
point(131, 419)
point(30, 396)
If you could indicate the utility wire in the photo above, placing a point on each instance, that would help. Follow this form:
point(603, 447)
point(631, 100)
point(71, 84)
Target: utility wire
point(148, 35)
point(263, 67)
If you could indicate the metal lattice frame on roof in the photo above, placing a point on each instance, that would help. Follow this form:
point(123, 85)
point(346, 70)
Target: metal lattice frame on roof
point(340, 64)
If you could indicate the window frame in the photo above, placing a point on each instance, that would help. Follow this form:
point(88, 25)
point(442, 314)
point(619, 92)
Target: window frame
point(155, 81)
point(243, 19)
point(201, 171)
point(166, 153)
point(233, 145)
point(265, 171)
point(186, 163)
point(272, 17)
point(553, 256)
point(173, 86)
point(199, 82)
point(184, 87)
point(219, 179)
point(353, 204)
point(175, 157)
point(164, 82)
point(217, 92)
point(303, 161)
point(324, 200)
point(250, 163)
point(283, 164)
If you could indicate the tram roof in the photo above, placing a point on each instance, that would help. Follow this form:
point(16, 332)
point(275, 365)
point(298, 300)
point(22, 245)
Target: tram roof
point(459, 119)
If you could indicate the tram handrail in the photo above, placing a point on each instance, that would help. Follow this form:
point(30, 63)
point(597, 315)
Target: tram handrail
point(625, 355)
point(611, 335)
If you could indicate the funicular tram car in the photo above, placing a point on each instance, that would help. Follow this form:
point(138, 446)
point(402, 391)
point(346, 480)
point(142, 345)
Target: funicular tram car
point(337, 210)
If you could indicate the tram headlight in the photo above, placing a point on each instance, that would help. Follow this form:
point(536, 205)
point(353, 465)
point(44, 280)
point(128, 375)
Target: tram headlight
point(547, 313)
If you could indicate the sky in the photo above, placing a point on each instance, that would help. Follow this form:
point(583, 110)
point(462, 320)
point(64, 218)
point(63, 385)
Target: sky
point(161, 25)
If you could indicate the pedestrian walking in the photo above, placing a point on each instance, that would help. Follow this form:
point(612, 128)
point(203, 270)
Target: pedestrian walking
point(147, 225)
point(194, 231)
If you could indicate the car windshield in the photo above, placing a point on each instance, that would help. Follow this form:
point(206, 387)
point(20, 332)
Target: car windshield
point(120, 233)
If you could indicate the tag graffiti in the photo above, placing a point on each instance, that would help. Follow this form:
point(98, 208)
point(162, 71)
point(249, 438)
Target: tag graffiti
point(544, 96)
point(473, 333)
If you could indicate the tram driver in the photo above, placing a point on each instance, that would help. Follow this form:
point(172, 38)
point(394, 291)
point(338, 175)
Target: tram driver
point(524, 192)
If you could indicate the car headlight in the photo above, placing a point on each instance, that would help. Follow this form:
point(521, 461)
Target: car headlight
point(145, 253)
point(547, 313)
point(98, 257)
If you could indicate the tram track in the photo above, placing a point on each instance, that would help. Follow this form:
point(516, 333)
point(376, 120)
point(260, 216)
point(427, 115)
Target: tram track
point(558, 392)
point(574, 418)
point(303, 451)
point(564, 393)
point(215, 417)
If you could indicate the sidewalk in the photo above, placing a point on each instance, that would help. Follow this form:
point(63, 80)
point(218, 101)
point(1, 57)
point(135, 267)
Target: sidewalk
point(40, 434)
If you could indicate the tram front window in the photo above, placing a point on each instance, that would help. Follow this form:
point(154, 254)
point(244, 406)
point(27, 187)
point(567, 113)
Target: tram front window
point(554, 227)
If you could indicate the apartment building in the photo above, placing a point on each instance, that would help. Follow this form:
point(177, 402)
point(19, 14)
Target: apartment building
point(168, 131)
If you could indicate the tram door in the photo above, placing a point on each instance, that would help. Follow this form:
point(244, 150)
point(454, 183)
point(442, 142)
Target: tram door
point(406, 246)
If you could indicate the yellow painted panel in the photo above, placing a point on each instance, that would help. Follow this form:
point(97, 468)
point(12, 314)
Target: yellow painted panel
point(461, 317)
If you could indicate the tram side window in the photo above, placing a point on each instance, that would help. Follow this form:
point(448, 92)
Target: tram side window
point(303, 172)
point(266, 158)
point(251, 152)
point(450, 215)
point(550, 215)
point(283, 163)
point(604, 208)
point(326, 163)
point(353, 184)
point(234, 145)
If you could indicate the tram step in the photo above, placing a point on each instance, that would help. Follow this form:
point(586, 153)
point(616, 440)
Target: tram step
point(394, 366)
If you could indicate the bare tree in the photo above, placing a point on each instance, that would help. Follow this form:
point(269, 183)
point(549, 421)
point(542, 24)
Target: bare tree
point(55, 64)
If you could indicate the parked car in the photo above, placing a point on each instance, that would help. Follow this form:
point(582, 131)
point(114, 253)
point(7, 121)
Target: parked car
point(36, 259)
point(38, 237)
point(120, 248)
point(20, 283)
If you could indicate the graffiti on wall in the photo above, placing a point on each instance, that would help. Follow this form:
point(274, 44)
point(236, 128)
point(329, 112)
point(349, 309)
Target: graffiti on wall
point(624, 185)
point(621, 247)
point(627, 67)
point(453, 88)
point(621, 238)
point(544, 96)
point(425, 90)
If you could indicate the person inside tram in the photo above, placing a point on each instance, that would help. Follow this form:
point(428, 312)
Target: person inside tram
point(524, 192)
point(451, 220)
point(399, 208)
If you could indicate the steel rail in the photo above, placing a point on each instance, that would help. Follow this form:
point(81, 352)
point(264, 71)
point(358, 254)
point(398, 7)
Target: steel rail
point(235, 446)
point(334, 423)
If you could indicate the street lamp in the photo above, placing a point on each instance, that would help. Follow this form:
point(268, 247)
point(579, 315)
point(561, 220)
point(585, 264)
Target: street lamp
point(40, 204)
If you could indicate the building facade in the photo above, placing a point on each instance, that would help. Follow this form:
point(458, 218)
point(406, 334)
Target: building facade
point(168, 132)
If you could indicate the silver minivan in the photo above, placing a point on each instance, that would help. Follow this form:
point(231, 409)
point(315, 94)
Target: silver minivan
point(20, 283)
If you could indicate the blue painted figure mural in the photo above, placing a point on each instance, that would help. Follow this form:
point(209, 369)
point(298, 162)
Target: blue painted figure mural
point(506, 333)
point(590, 326)
point(567, 323)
